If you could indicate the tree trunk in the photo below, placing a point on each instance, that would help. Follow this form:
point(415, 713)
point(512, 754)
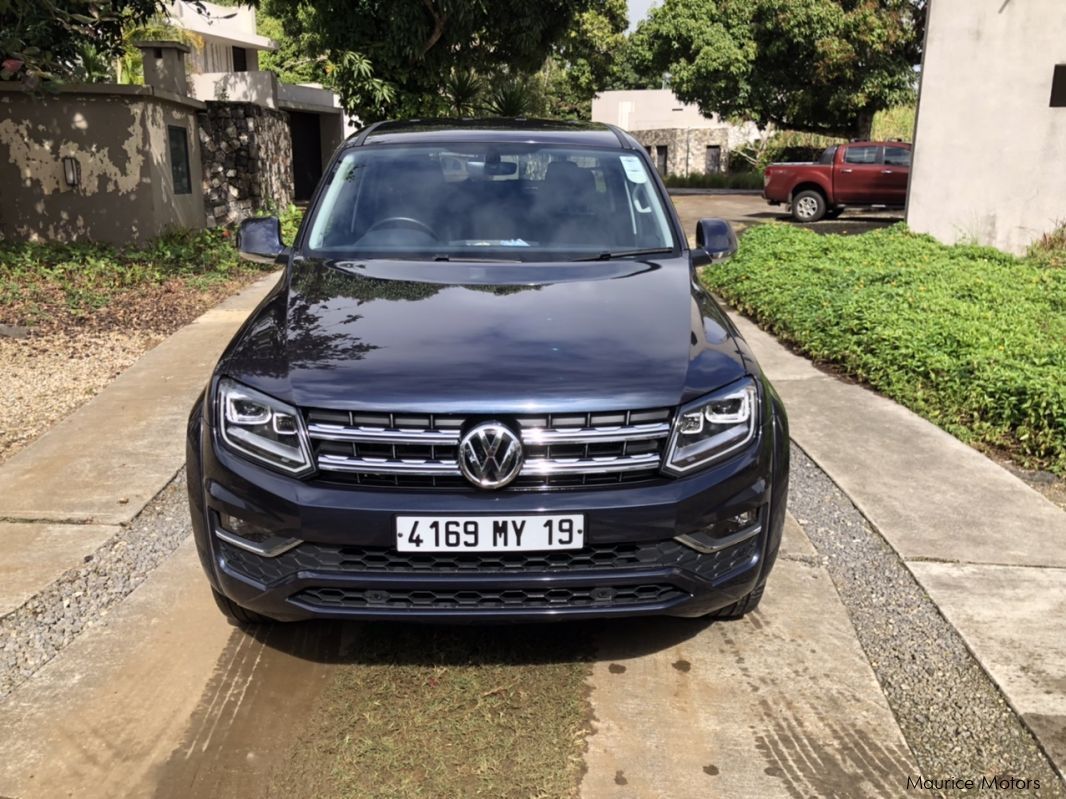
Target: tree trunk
point(864, 125)
point(818, 130)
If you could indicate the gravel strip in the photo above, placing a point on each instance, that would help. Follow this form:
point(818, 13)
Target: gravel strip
point(954, 718)
point(36, 632)
point(46, 377)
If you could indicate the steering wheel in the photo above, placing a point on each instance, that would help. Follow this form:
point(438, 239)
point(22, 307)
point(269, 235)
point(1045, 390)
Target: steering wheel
point(403, 221)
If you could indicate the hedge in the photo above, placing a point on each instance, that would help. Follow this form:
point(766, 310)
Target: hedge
point(970, 338)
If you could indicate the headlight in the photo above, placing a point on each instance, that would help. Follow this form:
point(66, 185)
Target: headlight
point(713, 427)
point(262, 428)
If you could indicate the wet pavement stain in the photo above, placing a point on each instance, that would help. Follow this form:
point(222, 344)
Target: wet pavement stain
point(682, 665)
point(264, 685)
point(616, 668)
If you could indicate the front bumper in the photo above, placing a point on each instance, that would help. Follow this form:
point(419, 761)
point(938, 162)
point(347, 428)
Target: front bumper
point(347, 565)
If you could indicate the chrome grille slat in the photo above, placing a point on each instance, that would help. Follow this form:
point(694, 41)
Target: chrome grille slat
point(381, 435)
point(563, 450)
point(594, 435)
point(343, 463)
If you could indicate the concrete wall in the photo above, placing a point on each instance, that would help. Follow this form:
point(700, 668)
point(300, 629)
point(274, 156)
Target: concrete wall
point(119, 136)
point(238, 87)
point(989, 151)
point(648, 109)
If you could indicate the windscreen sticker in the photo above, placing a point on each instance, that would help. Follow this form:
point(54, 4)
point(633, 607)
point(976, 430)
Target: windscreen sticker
point(634, 169)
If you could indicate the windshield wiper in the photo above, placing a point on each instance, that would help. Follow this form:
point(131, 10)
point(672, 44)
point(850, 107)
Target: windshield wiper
point(608, 256)
point(463, 259)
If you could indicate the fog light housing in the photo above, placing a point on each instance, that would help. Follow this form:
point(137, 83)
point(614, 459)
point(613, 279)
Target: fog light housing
point(724, 533)
point(251, 537)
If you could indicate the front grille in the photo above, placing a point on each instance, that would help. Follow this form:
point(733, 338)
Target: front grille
point(393, 450)
point(489, 598)
point(323, 559)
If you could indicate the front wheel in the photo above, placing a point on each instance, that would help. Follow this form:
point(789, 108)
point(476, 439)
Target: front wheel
point(808, 206)
point(237, 615)
point(741, 607)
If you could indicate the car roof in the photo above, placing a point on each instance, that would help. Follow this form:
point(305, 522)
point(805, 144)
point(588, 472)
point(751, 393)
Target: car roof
point(495, 129)
point(883, 143)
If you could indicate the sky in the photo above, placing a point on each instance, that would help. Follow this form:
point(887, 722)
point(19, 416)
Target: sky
point(638, 9)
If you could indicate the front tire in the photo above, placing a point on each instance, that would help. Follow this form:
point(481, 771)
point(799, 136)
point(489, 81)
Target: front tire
point(741, 607)
point(808, 206)
point(237, 615)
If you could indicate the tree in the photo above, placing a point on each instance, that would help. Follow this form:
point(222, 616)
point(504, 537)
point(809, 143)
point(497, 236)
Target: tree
point(462, 91)
point(43, 40)
point(582, 61)
point(295, 60)
point(394, 58)
point(820, 66)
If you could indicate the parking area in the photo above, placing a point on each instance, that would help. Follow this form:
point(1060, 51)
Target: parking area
point(745, 210)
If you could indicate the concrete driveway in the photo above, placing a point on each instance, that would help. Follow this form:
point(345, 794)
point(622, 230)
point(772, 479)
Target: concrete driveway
point(745, 210)
point(167, 700)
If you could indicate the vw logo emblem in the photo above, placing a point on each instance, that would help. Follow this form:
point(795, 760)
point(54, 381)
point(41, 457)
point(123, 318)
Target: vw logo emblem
point(490, 455)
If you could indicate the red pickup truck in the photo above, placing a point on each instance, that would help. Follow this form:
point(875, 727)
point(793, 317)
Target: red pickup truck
point(857, 173)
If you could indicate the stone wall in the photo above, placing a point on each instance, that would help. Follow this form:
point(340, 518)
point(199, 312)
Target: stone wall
point(686, 148)
point(247, 160)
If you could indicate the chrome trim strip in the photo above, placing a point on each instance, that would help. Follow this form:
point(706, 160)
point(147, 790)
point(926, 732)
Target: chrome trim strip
point(721, 543)
point(450, 468)
point(594, 435)
point(281, 546)
point(379, 435)
point(630, 463)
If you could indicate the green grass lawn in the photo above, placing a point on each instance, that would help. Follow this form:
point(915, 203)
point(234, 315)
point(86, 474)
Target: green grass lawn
point(45, 284)
point(970, 338)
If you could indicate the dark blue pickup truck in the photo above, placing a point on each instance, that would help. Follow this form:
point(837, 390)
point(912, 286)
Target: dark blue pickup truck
point(489, 386)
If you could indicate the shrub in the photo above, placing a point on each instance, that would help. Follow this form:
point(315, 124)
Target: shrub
point(1051, 249)
point(968, 337)
point(715, 180)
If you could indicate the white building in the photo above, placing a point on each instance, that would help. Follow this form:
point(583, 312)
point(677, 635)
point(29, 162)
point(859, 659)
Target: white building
point(680, 139)
point(226, 67)
point(990, 145)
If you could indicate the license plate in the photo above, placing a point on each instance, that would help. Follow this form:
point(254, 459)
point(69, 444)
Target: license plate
point(489, 533)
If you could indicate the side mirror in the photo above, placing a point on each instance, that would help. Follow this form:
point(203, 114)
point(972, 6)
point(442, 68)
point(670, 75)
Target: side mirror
point(716, 237)
point(259, 239)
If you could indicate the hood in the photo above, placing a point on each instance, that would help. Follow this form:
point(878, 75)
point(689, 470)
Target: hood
point(461, 337)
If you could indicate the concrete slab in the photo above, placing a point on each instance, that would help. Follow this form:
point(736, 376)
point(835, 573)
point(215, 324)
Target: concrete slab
point(105, 462)
point(163, 698)
point(1014, 621)
point(780, 704)
point(794, 542)
point(777, 361)
point(930, 495)
point(35, 555)
point(94, 722)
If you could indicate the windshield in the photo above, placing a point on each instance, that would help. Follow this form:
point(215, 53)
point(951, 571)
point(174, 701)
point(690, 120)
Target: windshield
point(489, 201)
